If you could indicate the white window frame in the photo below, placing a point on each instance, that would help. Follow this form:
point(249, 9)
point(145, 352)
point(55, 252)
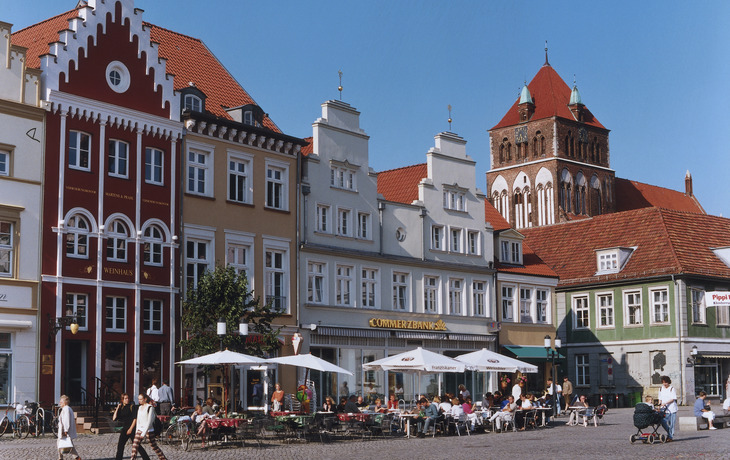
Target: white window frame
point(526, 303)
point(456, 242)
point(343, 178)
point(605, 311)
point(456, 296)
point(479, 297)
point(152, 316)
point(192, 103)
point(77, 153)
point(4, 163)
point(454, 200)
point(78, 236)
point(510, 252)
point(401, 291)
point(199, 169)
point(7, 247)
point(118, 158)
point(369, 287)
point(199, 264)
point(608, 262)
point(633, 300)
point(72, 302)
point(507, 302)
point(154, 165)
point(697, 298)
point(152, 246)
point(117, 236)
point(344, 222)
point(473, 241)
point(654, 305)
point(437, 237)
point(582, 370)
point(238, 256)
point(344, 285)
point(316, 271)
point(581, 306)
point(274, 185)
point(273, 245)
point(431, 294)
point(236, 160)
point(116, 317)
point(723, 315)
point(324, 218)
point(363, 226)
point(542, 305)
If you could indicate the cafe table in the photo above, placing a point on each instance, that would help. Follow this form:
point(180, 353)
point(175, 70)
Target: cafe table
point(404, 418)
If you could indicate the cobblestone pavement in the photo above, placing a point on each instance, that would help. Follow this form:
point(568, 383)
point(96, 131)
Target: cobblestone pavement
point(608, 440)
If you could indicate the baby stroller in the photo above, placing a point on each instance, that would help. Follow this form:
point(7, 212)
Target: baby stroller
point(645, 416)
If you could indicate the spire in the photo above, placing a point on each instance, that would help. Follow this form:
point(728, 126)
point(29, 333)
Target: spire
point(575, 96)
point(546, 55)
point(525, 96)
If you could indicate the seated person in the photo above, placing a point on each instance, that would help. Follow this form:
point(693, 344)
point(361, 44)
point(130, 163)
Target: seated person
point(456, 409)
point(520, 414)
point(361, 404)
point(341, 406)
point(379, 408)
point(488, 401)
point(445, 406)
point(583, 410)
point(200, 417)
point(392, 402)
point(329, 405)
point(468, 409)
point(702, 410)
point(351, 406)
point(726, 406)
point(430, 416)
point(497, 399)
point(211, 407)
point(504, 415)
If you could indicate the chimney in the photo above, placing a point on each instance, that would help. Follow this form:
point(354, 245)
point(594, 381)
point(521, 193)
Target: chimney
point(688, 184)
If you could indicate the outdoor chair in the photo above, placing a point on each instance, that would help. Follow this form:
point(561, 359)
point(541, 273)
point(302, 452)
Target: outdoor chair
point(461, 422)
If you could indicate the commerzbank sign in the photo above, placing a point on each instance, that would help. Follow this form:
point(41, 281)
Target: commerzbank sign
point(384, 323)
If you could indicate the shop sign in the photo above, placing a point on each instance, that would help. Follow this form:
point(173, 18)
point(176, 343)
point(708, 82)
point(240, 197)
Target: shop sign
point(15, 296)
point(717, 298)
point(384, 323)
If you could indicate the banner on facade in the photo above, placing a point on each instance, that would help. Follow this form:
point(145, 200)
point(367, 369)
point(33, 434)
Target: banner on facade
point(717, 298)
point(383, 323)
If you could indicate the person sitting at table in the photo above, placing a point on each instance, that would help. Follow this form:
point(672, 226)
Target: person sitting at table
point(329, 405)
point(504, 415)
point(497, 399)
point(277, 397)
point(430, 416)
point(445, 406)
point(340, 409)
point(582, 405)
point(392, 402)
point(379, 408)
point(200, 417)
point(468, 409)
point(520, 414)
point(487, 401)
point(351, 406)
point(209, 409)
point(703, 410)
point(361, 404)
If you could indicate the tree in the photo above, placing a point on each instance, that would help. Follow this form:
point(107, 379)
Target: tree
point(223, 293)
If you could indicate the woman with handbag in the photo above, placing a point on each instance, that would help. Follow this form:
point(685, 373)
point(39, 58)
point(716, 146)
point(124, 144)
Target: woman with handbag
point(126, 413)
point(146, 417)
point(66, 430)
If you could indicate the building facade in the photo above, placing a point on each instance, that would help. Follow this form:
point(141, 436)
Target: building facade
point(21, 169)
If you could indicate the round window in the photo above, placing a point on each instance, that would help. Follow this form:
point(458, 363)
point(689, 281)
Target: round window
point(400, 234)
point(117, 77)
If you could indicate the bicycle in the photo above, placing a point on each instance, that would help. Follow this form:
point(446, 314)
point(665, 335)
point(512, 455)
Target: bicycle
point(36, 418)
point(19, 427)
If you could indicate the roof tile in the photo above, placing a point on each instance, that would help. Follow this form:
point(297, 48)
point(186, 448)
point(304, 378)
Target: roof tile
point(401, 184)
point(634, 195)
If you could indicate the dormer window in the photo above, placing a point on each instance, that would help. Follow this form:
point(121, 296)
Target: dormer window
point(511, 252)
point(612, 260)
point(723, 254)
point(248, 118)
point(193, 103)
point(192, 99)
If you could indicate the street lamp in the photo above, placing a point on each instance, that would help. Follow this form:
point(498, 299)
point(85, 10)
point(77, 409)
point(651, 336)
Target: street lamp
point(221, 330)
point(551, 355)
point(692, 359)
point(59, 323)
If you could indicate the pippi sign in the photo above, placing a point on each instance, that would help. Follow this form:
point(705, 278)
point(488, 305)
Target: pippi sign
point(382, 323)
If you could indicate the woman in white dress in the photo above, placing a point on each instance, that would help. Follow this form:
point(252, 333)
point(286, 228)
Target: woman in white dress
point(66, 427)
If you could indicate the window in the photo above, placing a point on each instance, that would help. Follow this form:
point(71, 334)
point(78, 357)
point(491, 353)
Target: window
point(455, 240)
point(237, 256)
point(605, 310)
point(153, 316)
point(511, 252)
point(316, 290)
point(369, 287)
point(198, 172)
point(78, 303)
point(526, 305)
point(660, 306)
point(153, 163)
point(152, 253)
point(323, 218)
point(78, 150)
point(115, 310)
point(275, 280)
point(542, 302)
point(507, 303)
point(698, 306)
point(6, 369)
point(431, 294)
point(118, 158)
point(454, 200)
point(632, 301)
point(117, 77)
point(116, 242)
point(437, 235)
point(238, 180)
point(344, 178)
point(248, 118)
point(193, 103)
point(582, 371)
point(479, 297)
point(363, 225)
point(608, 262)
point(196, 261)
point(400, 291)
point(275, 182)
point(4, 163)
point(455, 296)
point(6, 248)
point(723, 315)
point(343, 285)
point(343, 222)
point(473, 242)
point(77, 238)
point(580, 306)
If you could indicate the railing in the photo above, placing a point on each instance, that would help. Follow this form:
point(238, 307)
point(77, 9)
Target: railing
point(277, 302)
point(104, 396)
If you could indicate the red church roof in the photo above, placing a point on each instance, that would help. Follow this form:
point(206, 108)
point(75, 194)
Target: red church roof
point(188, 60)
point(551, 96)
point(401, 185)
point(634, 195)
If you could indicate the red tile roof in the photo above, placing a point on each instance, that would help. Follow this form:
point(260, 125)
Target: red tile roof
point(551, 96)
point(401, 184)
point(493, 216)
point(667, 242)
point(308, 149)
point(634, 195)
point(188, 60)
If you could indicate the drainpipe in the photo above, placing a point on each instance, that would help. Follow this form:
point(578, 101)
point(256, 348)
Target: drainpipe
point(381, 209)
point(423, 233)
point(678, 310)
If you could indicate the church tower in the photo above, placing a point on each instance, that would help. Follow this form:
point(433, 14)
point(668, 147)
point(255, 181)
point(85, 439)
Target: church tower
point(549, 157)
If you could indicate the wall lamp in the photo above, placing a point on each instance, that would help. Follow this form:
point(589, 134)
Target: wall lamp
point(692, 359)
point(59, 323)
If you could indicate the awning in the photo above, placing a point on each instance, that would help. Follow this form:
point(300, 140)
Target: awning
point(473, 337)
point(538, 353)
point(420, 335)
point(713, 354)
point(350, 332)
point(15, 324)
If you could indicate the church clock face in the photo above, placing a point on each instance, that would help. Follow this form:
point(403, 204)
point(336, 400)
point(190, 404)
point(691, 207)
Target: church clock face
point(583, 135)
point(521, 134)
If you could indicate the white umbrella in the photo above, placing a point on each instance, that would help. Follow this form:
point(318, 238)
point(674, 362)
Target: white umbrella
point(224, 357)
point(490, 361)
point(309, 361)
point(418, 360)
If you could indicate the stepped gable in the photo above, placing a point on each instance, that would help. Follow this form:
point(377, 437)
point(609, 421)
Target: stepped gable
point(551, 96)
point(635, 195)
point(401, 184)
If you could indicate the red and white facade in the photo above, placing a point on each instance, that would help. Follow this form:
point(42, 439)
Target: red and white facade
point(110, 225)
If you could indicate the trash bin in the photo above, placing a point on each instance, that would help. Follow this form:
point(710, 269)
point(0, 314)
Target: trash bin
point(635, 398)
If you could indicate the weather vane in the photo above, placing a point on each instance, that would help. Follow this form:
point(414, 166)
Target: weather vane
point(449, 107)
point(339, 88)
point(546, 54)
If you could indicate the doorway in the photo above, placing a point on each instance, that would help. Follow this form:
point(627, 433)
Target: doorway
point(74, 380)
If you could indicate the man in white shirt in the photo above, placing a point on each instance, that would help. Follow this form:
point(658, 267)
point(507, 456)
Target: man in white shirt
point(558, 390)
point(153, 392)
point(668, 401)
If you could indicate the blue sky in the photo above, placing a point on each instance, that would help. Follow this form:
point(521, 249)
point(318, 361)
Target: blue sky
point(654, 72)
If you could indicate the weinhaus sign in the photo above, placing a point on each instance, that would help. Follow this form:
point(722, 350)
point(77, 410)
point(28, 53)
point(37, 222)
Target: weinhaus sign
point(383, 323)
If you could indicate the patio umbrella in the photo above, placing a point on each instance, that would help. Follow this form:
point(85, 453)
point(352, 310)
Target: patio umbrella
point(224, 357)
point(490, 361)
point(309, 361)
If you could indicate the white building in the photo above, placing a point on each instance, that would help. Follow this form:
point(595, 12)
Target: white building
point(393, 260)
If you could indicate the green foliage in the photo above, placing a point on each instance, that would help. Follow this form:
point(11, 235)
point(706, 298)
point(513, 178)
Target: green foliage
point(222, 293)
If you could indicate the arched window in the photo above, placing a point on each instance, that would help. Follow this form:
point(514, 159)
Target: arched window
point(501, 153)
point(153, 245)
point(116, 242)
point(509, 151)
point(192, 103)
point(534, 146)
point(77, 237)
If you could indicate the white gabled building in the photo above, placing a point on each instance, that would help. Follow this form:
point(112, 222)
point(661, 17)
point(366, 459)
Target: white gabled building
point(390, 261)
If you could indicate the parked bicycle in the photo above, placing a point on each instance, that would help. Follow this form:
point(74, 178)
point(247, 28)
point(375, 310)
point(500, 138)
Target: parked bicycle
point(19, 424)
point(36, 418)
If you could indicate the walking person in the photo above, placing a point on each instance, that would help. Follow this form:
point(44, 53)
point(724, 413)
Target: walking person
point(126, 412)
point(668, 401)
point(66, 428)
point(166, 398)
point(567, 392)
point(145, 427)
point(153, 392)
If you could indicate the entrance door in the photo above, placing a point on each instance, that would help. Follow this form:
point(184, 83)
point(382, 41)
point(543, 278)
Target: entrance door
point(74, 375)
point(152, 364)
